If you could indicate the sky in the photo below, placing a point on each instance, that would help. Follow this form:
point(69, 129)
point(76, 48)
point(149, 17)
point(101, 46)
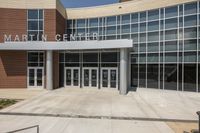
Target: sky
point(86, 3)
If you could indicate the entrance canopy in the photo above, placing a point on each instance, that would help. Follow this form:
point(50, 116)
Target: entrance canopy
point(71, 45)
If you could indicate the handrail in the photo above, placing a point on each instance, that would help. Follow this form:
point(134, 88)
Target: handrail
point(36, 126)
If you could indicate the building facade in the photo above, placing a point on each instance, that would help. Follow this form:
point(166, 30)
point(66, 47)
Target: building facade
point(124, 46)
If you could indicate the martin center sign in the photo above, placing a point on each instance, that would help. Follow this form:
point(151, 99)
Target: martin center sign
point(43, 37)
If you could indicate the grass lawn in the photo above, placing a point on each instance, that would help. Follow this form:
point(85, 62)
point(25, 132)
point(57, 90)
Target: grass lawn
point(7, 102)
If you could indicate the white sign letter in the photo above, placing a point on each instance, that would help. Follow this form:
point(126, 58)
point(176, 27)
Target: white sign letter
point(17, 38)
point(7, 38)
point(24, 38)
point(57, 37)
point(44, 38)
point(31, 36)
point(72, 37)
point(95, 36)
point(65, 37)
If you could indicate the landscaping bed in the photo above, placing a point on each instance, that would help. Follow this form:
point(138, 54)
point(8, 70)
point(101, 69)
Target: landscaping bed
point(7, 102)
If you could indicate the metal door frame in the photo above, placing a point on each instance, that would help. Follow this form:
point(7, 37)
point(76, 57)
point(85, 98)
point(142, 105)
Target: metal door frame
point(72, 77)
point(35, 77)
point(109, 78)
point(90, 78)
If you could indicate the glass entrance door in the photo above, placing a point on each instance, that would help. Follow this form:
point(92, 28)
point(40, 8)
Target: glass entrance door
point(72, 77)
point(90, 77)
point(35, 77)
point(109, 78)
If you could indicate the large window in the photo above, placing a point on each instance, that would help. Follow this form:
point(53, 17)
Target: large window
point(152, 76)
point(152, 26)
point(171, 23)
point(190, 77)
point(190, 8)
point(164, 40)
point(35, 59)
point(171, 11)
point(170, 77)
point(81, 23)
point(111, 20)
point(35, 25)
point(153, 15)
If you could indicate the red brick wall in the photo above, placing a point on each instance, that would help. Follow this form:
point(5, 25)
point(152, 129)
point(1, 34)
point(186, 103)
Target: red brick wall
point(13, 64)
point(50, 23)
point(13, 69)
point(12, 21)
point(54, 23)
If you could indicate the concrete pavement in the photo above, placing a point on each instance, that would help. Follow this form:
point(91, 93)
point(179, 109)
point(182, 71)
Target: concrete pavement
point(73, 125)
point(87, 102)
point(22, 93)
point(144, 104)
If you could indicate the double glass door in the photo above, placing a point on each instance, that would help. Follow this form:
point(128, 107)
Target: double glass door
point(35, 77)
point(72, 77)
point(109, 78)
point(90, 77)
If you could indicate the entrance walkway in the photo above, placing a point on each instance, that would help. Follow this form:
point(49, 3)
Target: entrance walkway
point(92, 110)
point(145, 103)
point(20, 94)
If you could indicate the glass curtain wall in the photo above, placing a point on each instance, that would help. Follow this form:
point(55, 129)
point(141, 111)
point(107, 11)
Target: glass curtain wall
point(84, 59)
point(165, 53)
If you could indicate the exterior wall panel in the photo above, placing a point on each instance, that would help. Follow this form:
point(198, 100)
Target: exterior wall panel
point(13, 69)
point(50, 23)
point(13, 64)
point(54, 23)
point(13, 21)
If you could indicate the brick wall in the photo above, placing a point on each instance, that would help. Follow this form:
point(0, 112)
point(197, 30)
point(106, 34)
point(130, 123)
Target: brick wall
point(12, 21)
point(13, 69)
point(13, 64)
point(54, 24)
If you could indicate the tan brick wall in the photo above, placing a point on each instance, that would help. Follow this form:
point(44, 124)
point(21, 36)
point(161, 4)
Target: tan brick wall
point(13, 69)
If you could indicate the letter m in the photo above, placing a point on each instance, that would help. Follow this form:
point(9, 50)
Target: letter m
point(7, 38)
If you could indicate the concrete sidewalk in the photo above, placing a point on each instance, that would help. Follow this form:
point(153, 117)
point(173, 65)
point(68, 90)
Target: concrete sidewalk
point(75, 125)
point(145, 103)
point(21, 93)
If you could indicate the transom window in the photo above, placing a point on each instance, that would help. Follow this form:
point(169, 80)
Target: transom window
point(35, 59)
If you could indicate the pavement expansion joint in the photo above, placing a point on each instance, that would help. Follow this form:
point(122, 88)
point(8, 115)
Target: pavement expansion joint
point(98, 117)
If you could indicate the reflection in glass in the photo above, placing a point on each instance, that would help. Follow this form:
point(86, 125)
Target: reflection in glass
point(31, 77)
point(105, 78)
point(113, 78)
point(68, 77)
point(86, 77)
point(76, 77)
point(170, 77)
